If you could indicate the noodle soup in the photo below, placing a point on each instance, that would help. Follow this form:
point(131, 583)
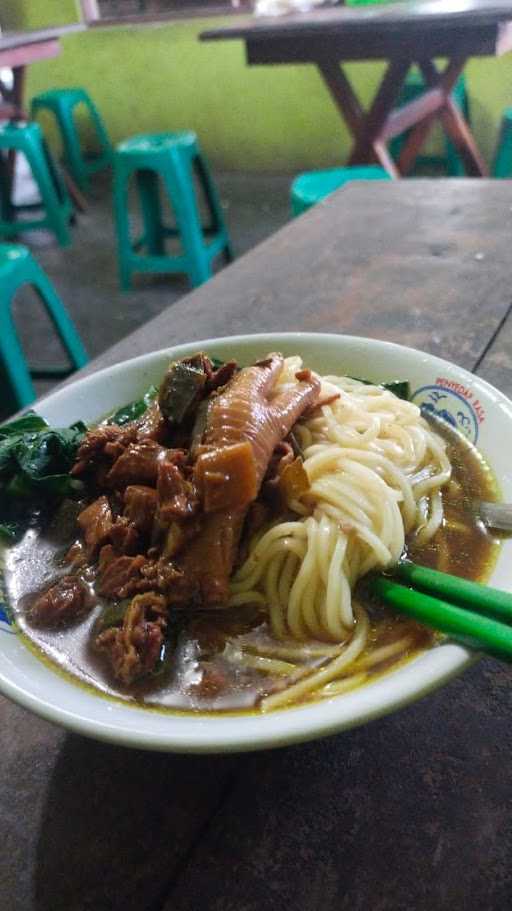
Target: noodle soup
point(362, 478)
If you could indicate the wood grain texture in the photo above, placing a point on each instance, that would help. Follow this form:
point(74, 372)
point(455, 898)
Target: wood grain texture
point(87, 825)
point(410, 812)
point(424, 263)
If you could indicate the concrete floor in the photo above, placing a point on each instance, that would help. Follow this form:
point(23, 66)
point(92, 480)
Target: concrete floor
point(85, 274)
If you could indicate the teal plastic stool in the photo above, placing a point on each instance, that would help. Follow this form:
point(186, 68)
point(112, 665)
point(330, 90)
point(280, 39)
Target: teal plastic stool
point(18, 268)
point(167, 160)
point(28, 139)
point(309, 188)
point(502, 165)
point(450, 162)
point(62, 104)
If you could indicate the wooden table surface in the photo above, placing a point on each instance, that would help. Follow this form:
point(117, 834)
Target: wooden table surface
point(391, 23)
point(410, 813)
point(17, 50)
point(11, 40)
point(390, 18)
point(20, 48)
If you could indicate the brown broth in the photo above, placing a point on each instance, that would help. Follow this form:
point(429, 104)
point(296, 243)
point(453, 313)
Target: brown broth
point(204, 676)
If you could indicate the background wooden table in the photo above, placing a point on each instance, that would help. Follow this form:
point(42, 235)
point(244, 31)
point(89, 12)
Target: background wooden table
point(410, 812)
point(402, 34)
point(17, 51)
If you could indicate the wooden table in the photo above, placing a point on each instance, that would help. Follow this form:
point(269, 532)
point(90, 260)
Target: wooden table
point(17, 51)
point(410, 812)
point(402, 34)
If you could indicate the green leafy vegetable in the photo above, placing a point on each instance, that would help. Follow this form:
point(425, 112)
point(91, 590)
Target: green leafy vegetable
point(35, 462)
point(134, 410)
point(29, 422)
point(8, 530)
point(113, 614)
point(400, 388)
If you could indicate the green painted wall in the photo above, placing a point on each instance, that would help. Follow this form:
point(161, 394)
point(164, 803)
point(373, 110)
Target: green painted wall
point(150, 78)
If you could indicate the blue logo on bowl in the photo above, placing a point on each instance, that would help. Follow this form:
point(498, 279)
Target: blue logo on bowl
point(5, 623)
point(453, 403)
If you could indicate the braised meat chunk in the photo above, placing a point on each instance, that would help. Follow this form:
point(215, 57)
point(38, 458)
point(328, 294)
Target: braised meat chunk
point(137, 464)
point(140, 504)
point(102, 445)
point(124, 536)
point(134, 648)
point(177, 497)
point(95, 523)
point(152, 425)
point(121, 577)
point(170, 493)
point(64, 602)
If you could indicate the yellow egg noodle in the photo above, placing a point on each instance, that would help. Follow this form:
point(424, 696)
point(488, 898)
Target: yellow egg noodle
point(375, 469)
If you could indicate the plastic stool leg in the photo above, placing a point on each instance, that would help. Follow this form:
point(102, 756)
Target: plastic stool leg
point(99, 126)
point(124, 248)
point(13, 359)
point(181, 194)
point(64, 325)
point(214, 203)
point(6, 207)
point(72, 151)
point(58, 181)
point(147, 185)
point(49, 193)
point(502, 165)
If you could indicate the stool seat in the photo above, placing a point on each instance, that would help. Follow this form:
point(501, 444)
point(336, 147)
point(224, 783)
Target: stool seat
point(167, 163)
point(62, 104)
point(27, 138)
point(158, 143)
point(312, 186)
point(18, 268)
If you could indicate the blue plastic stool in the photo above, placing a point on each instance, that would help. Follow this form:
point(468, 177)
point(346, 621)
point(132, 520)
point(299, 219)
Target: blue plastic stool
point(169, 160)
point(451, 162)
point(18, 268)
point(62, 104)
point(309, 188)
point(28, 139)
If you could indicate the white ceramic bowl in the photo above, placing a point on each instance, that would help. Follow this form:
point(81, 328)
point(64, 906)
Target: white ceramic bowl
point(482, 412)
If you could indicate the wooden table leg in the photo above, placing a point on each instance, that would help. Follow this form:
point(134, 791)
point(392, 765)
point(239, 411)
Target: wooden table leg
point(453, 122)
point(451, 119)
point(370, 144)
point(11, 100)
point(12, 109)
point(366, 142)
point(366, 127)
point(343, 96)
point(371, 130)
